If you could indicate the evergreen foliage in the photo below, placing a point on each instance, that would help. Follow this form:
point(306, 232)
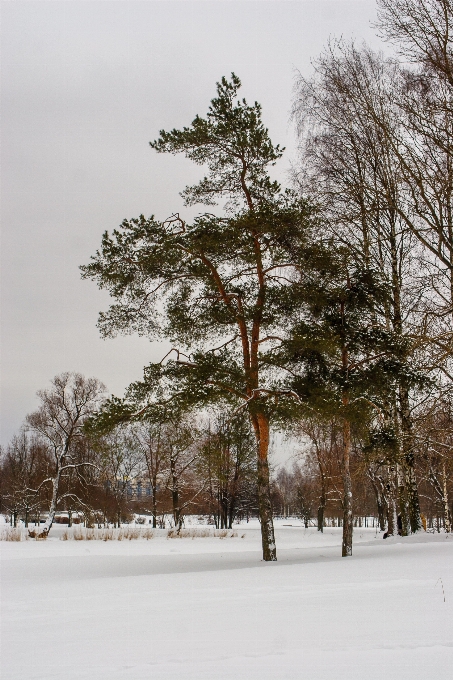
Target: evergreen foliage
point(221, 289)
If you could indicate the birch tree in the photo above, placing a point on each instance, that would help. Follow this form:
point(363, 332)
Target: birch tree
point(59, 422)
point(348, 122)
point(420, 31)
point(435, 441)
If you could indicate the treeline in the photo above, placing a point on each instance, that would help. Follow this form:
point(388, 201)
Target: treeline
point(171, 469)
point(324, 310)
point(165, 469)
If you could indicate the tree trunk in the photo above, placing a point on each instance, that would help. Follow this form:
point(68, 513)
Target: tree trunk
point(322, 498)
point(53, 504)
point(392, 517)
point(414, 522)
point(413, 500)
point(447, 522)
point(381, 514)
point(154, 490)
point(261, 426)
point(381, 504)
point(405, 527)
point(175, 495)
point(223, 509)
point(346, 550)
point(321, 508)
point(231, 512)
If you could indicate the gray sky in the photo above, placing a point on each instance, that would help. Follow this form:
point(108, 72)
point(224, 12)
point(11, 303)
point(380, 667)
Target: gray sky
point(84, 87)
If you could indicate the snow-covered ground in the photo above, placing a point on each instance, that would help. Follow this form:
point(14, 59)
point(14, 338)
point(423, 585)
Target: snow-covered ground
point(210, 609)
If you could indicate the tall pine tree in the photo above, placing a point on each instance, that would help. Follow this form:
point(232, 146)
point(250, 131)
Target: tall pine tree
point(220, 289)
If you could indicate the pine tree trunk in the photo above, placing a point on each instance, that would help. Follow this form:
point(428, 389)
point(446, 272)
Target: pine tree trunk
point(261, 426)
point(347, 497)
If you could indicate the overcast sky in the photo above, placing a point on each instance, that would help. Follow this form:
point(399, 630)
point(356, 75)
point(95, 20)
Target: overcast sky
point(84, 87)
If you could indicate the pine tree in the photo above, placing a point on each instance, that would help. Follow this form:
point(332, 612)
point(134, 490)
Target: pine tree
point(342, 364)
point(220, 289)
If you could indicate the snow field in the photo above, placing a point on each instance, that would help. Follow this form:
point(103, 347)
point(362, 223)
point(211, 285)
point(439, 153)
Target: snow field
point(207, 608)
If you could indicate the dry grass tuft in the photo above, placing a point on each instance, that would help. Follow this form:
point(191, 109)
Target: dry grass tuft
point(107, 534)
point(37, 534)
point(79, 533)
point(134, 533)
point(201, 533)
point(13, 534)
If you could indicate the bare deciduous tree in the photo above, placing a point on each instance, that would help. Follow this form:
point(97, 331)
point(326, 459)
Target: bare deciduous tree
point(348, 121)
point(421, 31)
point(23, 467)
point(150, 441)
point(59, 422)
point(227, 462)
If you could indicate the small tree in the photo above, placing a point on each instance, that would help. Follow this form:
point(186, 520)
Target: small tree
point(120, 464)
point(323, 459)
point(304, 495)
point(180, 454)
point(149, 440)
point(59, 422)
point(435, 441)
point(226, 461)
point(23, 466)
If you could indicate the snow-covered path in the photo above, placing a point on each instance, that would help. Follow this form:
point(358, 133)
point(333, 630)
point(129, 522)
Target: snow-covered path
point(210, 609)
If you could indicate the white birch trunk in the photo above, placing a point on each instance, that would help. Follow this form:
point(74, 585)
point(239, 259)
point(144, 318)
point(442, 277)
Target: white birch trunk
point(445, 500)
